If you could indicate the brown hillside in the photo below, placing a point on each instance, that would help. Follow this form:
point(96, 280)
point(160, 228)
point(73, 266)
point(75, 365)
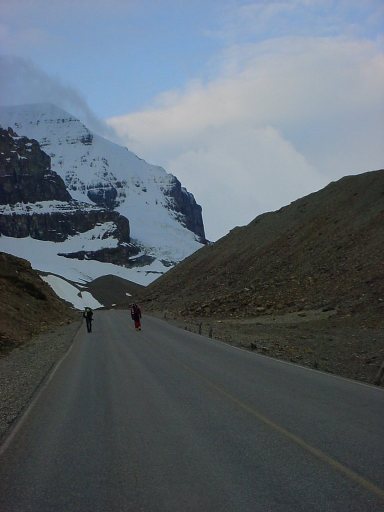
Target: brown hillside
point(114, 291)
point(28, 305)
point(303, 284)
point(322, 251)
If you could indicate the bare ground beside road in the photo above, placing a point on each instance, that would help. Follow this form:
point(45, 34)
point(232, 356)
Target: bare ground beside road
point(28, 305)
point(25, 368)
point(316, 339)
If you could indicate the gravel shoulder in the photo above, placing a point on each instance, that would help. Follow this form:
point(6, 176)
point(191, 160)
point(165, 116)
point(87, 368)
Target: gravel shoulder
point(26, 367)
point(315, 339)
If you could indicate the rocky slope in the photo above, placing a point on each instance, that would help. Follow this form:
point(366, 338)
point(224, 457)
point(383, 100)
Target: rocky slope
point(28, 306)
point(322, 251)
point(304, 284)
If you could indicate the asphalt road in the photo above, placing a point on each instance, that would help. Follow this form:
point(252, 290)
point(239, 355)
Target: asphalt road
point(164, 420)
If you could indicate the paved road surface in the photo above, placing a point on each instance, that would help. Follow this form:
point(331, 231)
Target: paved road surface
point(164, 420)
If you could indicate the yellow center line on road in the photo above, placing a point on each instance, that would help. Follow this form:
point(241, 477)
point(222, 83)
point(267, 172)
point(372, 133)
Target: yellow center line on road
point(363, 482)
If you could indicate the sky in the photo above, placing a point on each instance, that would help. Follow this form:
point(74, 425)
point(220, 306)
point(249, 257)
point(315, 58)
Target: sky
point(250, 103)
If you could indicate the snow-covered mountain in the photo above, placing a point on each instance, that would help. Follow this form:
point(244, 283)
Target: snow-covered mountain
point(103, 178)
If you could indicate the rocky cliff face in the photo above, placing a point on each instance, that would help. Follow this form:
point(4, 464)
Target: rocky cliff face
point(64, 220)
point(25, 172)
point(34, 202)
point(184, 204)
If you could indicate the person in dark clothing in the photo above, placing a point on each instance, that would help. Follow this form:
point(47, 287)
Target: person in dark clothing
point(88, 315)
point(136, 316)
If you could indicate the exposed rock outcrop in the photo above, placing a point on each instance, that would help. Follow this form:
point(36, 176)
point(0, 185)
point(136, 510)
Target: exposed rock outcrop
point(183, 203)
point(115, 255)
point(67, 219)
point(34, 202)
point(103, 195)
point(25, 172)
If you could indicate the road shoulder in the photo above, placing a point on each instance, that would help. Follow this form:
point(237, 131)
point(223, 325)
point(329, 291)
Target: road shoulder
point(24, 369)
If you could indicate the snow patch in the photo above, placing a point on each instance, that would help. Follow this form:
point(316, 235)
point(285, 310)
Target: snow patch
point(79, 299)
point(42, 207)
point(44, 257)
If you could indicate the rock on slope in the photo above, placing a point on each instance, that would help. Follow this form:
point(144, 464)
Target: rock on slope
point(322, 251)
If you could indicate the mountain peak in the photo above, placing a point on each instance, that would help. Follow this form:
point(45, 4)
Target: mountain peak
point(166, 222)
point(37, 110)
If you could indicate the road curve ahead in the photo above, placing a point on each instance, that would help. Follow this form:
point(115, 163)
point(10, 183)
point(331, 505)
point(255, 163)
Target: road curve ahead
point(164, 420)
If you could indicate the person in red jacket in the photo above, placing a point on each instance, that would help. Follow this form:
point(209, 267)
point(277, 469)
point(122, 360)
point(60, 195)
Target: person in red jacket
point(136, 316)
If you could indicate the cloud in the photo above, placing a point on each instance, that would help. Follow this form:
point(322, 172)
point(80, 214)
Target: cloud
point(243, 170)
point(22, 82)
point(284, 118)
